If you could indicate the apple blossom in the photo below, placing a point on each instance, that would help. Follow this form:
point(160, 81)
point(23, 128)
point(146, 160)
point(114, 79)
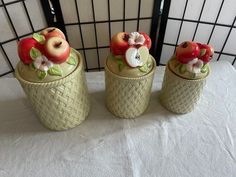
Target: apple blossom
point(194, 66)
point(42, 63)
point(136, 38)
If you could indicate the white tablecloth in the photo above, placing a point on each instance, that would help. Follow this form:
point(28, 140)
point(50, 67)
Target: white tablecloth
point(159, 143)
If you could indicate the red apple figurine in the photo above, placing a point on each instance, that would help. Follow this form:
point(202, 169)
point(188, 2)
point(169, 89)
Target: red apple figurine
point(57, 50)
point(52, 32)
point(119, 43)
point(187, 51)
point(24, 47)
point(136, 56)
point(148, 41)
point(206, 52)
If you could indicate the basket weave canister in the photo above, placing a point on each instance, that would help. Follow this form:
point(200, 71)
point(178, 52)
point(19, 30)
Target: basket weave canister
point(128, 97)
point(178, 94)
point(59, 104)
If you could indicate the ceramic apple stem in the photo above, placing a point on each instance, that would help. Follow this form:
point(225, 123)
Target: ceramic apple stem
point(51, 30)
point(57, 45)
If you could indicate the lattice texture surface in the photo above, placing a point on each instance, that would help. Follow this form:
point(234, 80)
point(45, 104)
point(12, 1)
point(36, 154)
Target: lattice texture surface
point(61, 104)
point(180, 95)
point(127, 97)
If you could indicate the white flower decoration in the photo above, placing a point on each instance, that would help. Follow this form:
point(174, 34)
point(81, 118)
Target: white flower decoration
point(136, 38)
point(194, 66)
point(42, 63)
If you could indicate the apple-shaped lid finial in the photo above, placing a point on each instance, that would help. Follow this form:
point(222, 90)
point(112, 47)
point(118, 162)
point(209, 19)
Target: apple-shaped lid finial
point(45, 52)
point(193, 57)
point(132, 47)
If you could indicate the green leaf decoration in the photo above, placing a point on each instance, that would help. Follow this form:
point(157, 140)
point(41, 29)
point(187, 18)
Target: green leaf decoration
point(202, 52)
point(32, 67)
point(118, 57)
point(119, 61)
point(55, 70)
point(39, 38)
point(204, 69)
point(182, 69)
point(121, 64)
point(71, 60)
point(41, 74)
point(149, 62)
point(144, 68)
point(176, 64)
point(34, 53)
point(193, 75)
point(149, 65)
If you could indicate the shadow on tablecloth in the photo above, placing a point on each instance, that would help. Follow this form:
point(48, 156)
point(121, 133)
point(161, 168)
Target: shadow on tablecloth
point(17, 116)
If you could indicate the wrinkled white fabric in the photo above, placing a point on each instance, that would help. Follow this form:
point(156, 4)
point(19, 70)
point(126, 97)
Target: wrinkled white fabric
point(157, 144)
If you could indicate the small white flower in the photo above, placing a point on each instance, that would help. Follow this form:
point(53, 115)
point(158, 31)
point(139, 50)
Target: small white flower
point(42, 63)
point(194, 66)
point(136, 39)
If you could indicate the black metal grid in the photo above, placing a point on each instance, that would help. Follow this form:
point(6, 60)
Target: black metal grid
point(17, 37)
point(54, 17)
point(165, 18)
point(159, 19)
point(153, 32)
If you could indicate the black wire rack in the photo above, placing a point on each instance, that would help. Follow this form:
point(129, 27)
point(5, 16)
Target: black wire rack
point(54, 17)
point(4, 6)
point(160, 16)
point(183, 19)
point(153, 32)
